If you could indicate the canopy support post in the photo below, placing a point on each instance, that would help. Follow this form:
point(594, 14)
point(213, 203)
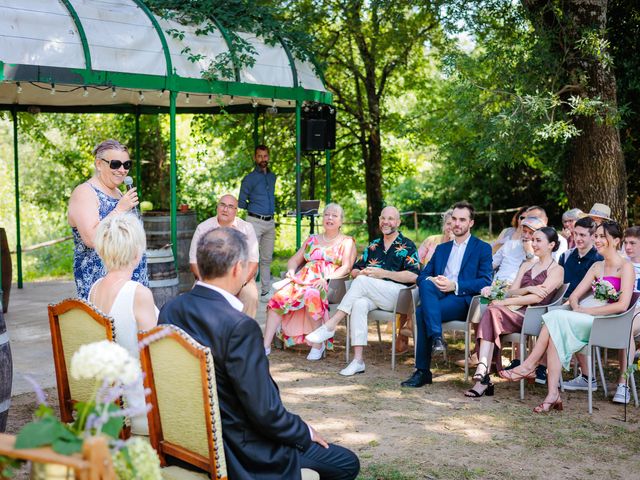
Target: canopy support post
point(16, 175)
point(174, 201)
point(256, 133)
point(138, 174)
point(327, 170)
point(298, 175)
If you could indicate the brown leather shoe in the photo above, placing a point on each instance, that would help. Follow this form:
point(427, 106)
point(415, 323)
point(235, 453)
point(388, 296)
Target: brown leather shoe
point(473, 361)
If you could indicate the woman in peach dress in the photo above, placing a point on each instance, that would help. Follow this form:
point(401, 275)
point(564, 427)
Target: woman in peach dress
point(301, 305)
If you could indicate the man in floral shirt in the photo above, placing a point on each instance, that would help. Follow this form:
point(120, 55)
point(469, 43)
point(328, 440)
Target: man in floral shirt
point(387, 265)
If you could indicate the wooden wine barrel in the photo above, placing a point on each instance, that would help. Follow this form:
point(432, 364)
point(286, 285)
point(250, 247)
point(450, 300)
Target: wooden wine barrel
point(5, 262)
point(6, 374)
point(163, 279)
point(157, 227)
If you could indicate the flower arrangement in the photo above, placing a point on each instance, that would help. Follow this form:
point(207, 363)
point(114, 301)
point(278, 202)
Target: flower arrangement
point(604, 290)
point(114, 372)
point(498, 291)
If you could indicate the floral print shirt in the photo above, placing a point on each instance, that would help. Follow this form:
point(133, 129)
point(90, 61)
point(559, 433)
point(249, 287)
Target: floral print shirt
point(402, 255)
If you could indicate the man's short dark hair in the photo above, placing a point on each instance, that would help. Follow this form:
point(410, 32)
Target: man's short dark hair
point(586, 222)
point(466, 205)
point(219, 250)
point(261, 147)
point(632, 232)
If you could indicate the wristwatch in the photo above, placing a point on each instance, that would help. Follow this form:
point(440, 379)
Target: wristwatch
point(529, 256)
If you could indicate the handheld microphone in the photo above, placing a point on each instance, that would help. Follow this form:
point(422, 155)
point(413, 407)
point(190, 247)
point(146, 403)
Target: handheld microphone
point(128, 183)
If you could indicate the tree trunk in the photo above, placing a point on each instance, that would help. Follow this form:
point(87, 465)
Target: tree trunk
point(596, 170)
point(373, 180)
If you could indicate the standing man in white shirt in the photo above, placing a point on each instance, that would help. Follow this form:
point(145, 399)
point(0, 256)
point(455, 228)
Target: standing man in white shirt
point(226, 217)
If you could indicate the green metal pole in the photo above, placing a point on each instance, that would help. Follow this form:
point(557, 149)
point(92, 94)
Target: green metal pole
point(256, 134)
point(174, 201)
point(16, 175)
point(298, 175)
point(327, 170)
point(138, 151)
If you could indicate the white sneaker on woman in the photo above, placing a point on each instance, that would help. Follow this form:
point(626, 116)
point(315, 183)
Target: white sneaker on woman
point(354, 367)
point(315, 353)
point(320, 334)
point(623, 395)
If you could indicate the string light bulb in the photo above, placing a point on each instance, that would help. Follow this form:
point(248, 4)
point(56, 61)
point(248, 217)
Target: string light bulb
point(53, 89)
point(19, 88)
point(141, 97)
point(113, 92)
point(161, 92)
point(209, 100)
point(188, 100)
point(86, 92)
point(231, 100)
point(254, 102)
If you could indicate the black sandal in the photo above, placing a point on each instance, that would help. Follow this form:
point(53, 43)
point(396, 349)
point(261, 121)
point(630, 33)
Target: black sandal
point(479, 377)
point(489, 391)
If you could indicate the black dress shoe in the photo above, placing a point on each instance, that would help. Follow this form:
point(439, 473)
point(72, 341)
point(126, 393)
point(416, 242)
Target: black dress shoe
point(438, 346)
point(418, 379)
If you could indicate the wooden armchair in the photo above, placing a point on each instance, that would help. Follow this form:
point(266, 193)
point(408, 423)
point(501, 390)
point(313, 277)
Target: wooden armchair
point(74, 322)
point(94, 463)
point(184, 421)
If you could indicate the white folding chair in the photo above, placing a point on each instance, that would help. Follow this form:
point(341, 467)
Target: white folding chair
point(405, 305)
point(610, 331)
point(473, 316)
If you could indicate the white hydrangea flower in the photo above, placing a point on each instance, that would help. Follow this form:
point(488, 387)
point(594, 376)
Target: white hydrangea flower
point(105, 360)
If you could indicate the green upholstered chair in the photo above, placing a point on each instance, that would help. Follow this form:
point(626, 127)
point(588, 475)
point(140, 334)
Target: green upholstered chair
point(73, 323)
point(184, 421)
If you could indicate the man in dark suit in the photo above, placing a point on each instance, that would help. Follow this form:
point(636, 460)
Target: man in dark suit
point(261, 438)
point(457, 271)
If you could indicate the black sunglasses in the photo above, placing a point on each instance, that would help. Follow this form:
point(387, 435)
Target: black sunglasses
point(116, 164)
point(522, 217)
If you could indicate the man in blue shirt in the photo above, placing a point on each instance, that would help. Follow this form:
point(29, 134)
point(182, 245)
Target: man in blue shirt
point(578, 260)
point(257, 196)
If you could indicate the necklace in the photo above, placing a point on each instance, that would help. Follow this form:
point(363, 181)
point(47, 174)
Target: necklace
point(330, 239)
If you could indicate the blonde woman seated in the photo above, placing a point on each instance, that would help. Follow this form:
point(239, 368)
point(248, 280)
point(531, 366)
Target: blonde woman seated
point(120, 242)
point(566, 332)
point(428, 246)
point(301, 304)
point(534, 285)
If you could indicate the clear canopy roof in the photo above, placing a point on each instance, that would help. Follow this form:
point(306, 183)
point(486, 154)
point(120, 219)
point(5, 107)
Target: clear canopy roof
point(114, 52)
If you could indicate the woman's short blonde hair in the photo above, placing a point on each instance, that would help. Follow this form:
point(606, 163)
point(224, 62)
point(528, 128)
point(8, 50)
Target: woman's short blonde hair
point(334, 206)
point(120, 240)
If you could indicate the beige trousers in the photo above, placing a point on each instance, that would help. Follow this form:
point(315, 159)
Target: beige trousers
point(266, 235)
point(364, 295)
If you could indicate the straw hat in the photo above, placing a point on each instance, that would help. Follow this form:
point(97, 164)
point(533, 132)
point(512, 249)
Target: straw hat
point(534, 223)
point(600, 210)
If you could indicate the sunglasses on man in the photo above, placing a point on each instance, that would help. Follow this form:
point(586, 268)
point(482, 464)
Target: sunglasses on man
point(116, 164)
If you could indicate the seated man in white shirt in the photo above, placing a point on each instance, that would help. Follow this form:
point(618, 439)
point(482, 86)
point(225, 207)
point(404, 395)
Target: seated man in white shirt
point(226, 217)
point(513, 253)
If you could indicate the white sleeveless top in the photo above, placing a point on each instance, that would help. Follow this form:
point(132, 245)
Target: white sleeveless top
point(126, 329)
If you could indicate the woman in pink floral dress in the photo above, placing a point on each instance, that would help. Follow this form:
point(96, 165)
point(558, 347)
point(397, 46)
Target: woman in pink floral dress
point(301, 305)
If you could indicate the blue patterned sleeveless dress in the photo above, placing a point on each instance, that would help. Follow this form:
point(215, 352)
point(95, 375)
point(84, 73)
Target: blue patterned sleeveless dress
point(87, 265)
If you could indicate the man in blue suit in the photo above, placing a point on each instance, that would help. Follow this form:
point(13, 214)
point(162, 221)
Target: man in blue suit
point(457, 271)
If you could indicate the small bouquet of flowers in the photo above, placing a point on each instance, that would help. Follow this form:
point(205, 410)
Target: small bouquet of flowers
point(498, 291)
point(114, 372)
point(603, 290)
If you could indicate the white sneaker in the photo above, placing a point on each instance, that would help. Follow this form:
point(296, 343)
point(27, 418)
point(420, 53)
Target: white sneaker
point(315, 353)
point(267, 351)
point(354, 367)
point(623, 394)
point(581, 383)
point(320, 335)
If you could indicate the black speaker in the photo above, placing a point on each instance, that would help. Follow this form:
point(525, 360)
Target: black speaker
point(318, 127)
point(314, 134)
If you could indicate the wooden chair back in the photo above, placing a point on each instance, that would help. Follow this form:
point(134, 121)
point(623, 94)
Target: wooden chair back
point(184, 421)
point(73, 323)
